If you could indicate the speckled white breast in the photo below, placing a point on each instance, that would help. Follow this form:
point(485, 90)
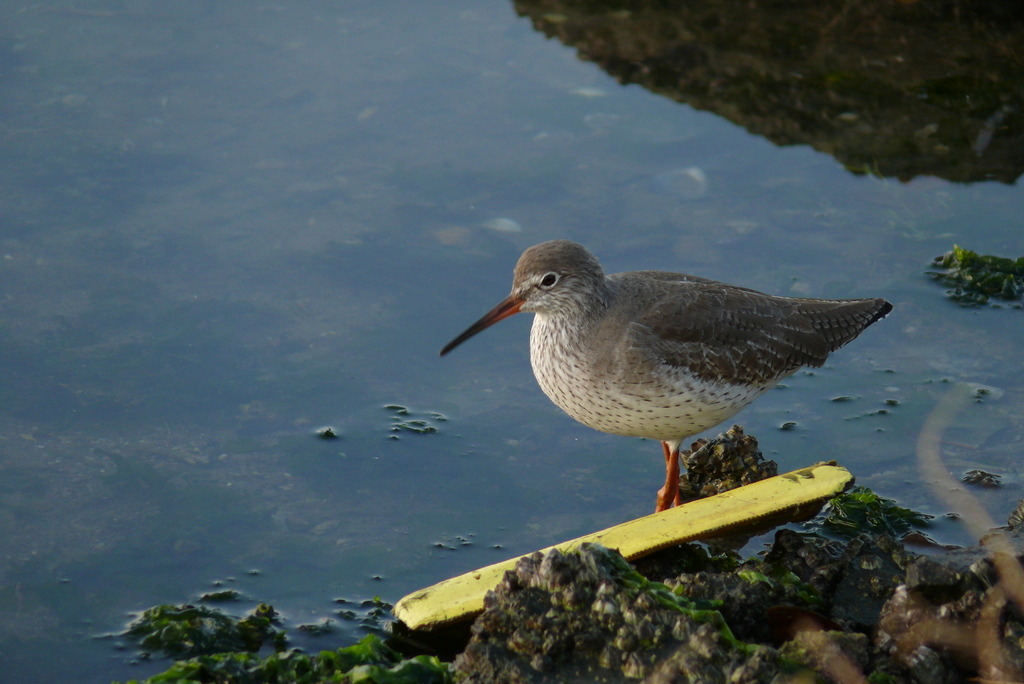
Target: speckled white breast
point(669, 404)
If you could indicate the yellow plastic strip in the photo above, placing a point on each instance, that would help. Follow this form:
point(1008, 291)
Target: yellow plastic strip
point(462, 597)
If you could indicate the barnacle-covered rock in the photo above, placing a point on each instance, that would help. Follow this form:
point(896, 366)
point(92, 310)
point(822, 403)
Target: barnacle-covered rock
point(726, 462)
point(831, 652)
point(871, 569)
point(935, 640)
point(743, 597)
point(684, 558)
point(904, 626)
point(619, 627)
point(814, 561)
point(946, 578)
point(855, 610)
point(705, 657)
point(1016, 519)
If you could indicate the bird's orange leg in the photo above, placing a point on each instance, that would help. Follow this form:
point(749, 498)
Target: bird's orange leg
point(669, 494)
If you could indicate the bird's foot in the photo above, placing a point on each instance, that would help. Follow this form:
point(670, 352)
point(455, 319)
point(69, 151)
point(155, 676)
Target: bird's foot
point(666, 499)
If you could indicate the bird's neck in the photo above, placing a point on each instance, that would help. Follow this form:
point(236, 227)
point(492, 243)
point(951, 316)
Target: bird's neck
point(565, 329)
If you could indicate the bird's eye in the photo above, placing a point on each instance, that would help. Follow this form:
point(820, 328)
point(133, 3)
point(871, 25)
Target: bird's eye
point(549, 280)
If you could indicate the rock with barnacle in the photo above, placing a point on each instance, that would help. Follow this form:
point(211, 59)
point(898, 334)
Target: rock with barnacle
point(726, 462)
point(863, 607)
point(952, 595)
point(589, 616)
point(1016, 519)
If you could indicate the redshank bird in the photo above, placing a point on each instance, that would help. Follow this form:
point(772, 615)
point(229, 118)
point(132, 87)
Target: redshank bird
point(663, 355)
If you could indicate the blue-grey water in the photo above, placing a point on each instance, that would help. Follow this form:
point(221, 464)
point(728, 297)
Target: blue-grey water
point(224, 225)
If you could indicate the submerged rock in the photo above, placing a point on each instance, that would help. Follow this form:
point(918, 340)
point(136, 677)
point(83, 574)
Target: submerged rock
point(981, 478)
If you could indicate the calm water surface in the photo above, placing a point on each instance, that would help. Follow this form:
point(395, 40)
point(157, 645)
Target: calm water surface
point(225, 225)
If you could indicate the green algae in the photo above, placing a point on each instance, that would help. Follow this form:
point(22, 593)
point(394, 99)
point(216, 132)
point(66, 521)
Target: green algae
point(861, 510)
point(753, 577)
point(370, 661)
point(187, 631)
point(221, 649)
point(974, 279)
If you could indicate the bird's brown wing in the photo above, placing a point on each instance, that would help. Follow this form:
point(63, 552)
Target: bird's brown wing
point(723, 333)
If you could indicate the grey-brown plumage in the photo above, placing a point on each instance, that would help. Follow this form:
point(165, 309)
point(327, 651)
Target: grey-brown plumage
point(663, 355)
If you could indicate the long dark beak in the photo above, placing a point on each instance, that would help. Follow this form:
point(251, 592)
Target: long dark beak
point(508, 306)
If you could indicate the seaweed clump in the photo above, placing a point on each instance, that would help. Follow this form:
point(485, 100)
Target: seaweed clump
point(861, 510)
point(370, 661)
point(974, 278)
point(186, 631)
point(221, 649)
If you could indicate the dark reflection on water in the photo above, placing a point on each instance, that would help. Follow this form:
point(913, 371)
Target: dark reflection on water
point(892, 88)
point(224, 226)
